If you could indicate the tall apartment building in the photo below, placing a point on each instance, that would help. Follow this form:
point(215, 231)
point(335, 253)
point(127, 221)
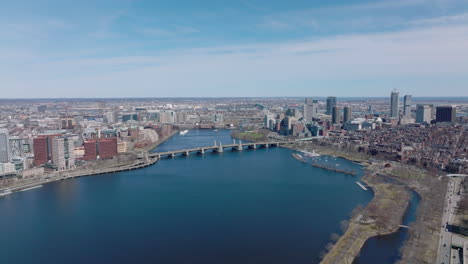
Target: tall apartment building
point(347, 114)
point(423, 113)
point(336, 115)
point(331, 102)
point(310, 110)
point(394, 104)
point(446, 113)
point(407, 105)
point(112, 117)
point(4, 146)
point(16, 147)
point(63, 155)
point(42, 146)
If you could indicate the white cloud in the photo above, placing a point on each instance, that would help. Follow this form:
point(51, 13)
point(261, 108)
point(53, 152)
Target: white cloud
point(425, 57)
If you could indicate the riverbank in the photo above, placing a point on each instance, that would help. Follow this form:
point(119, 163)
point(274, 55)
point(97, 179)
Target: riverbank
point(156, 144)
point(249, 135)
point(423, 240)
point(64, 175)
point(381, 216)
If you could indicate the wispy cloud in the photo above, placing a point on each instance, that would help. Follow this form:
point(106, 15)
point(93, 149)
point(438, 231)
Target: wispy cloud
point(161, 33)
point(416, 55)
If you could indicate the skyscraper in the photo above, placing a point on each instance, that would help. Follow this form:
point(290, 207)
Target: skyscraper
point(4, 149)
point(407, 105)
point(331, 102)
point(423, 113)
point(394, 104)
point(347, 114)
point(336, 117)
point(310, 110)
point(446, 113)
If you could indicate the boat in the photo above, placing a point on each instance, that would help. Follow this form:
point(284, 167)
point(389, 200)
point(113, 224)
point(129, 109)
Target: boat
point(5, 192)
point(298, 157)
point(183, 132)
point(216, 130)
point(312, 154)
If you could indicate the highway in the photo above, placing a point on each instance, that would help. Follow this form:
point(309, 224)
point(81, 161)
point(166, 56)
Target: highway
point(445, 242)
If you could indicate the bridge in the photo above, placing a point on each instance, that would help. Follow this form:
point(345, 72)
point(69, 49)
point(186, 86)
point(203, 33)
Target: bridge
point(239, 146)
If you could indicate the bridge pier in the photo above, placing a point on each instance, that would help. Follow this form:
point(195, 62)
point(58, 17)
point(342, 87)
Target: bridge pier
point(172, 155)
point(186, 153)
point(201, 151)
point(254, 146)
point(220, 149)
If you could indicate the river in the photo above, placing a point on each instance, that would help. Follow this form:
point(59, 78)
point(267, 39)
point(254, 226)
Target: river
point(254, 206)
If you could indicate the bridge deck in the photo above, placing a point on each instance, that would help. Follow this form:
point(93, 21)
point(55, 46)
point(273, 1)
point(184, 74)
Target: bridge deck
point(174, 152)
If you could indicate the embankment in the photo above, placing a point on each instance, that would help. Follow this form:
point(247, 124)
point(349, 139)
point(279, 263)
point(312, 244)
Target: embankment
point(382, 215)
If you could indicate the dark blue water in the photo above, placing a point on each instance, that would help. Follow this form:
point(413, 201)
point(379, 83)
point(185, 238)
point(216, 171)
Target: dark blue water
point(386, 249)
point(256, 206)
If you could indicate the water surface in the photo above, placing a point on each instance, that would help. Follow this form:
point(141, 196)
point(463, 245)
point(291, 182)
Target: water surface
point(256, 206)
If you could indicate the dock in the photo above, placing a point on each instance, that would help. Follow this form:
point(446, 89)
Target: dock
point(30, 188)
point(333, 169)
point(362, 186)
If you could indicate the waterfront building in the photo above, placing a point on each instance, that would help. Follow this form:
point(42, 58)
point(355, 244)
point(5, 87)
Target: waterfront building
point(394, 104)
point(7, 168)
point(15, 145)
point(407, 105)
point(181, 117)
point(100, 148)
point(42, 146)
point(347, 114)
point(336, 115)
point(446, 113)
point(286, 125)
point(268, 121)
point(122, 147)
point(331, 102)
point(423, 113)
point(63, 155)
point(218, 118)
point(4, 146)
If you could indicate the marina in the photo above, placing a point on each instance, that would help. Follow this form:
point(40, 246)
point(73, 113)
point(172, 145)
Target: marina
point(299, 157)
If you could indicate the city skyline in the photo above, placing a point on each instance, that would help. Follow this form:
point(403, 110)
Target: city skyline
point(248, 48)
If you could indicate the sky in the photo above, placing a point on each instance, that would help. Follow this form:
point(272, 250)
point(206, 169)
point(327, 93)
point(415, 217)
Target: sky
point(221, 48)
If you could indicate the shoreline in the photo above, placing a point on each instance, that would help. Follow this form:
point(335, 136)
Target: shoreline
point(372, 221)
point(421, 245)
point(345, 250)
point(65, 175)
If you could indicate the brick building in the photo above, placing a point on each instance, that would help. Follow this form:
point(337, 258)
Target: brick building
point(101, 148)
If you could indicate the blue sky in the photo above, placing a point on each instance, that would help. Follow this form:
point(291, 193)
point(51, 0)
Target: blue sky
point(131, 48)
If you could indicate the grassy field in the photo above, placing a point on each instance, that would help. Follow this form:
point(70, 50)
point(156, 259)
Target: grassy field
point(249, 136)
